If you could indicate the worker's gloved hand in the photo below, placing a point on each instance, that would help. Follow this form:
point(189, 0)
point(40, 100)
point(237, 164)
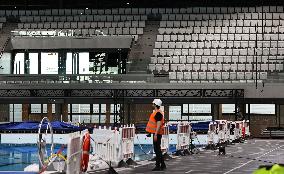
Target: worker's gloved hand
point(148, 135)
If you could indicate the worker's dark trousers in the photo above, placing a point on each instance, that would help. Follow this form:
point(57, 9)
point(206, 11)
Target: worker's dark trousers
point(158, 152)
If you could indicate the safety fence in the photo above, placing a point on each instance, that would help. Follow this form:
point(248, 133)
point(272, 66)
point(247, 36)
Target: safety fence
point(74, 152)
point(165, 141)
point(183, 136)
point(114, 145)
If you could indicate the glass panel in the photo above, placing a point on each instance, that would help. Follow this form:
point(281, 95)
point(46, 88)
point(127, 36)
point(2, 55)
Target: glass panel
point(19, 63)
point(35, 108)
point(17, 112)
point(228, 108)
point(174, 112)
point(261, 109)
point(33, 57)
point(96, 108)
point(185, 108)
point(200, 108)
point(49, 63)
point(44, 108)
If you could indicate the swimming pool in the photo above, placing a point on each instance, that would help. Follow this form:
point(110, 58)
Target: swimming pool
point(17, 157)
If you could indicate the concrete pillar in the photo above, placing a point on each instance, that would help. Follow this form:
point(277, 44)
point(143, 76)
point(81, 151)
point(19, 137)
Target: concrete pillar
point(166, 112)
point(25, 112)
point(280, 115)
point(4, 112)
point(58, 112)
point(64, 112)
point(216, 111)
point(49, 112)
point(107, 114)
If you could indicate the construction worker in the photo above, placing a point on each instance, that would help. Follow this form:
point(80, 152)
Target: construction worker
point(155, 127)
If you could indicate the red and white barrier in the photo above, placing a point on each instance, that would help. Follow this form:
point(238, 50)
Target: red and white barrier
point(211, 132)
point(165, 139)
point(183, 136)
point(74, 152)
point(127, 135)
point(246, 128)
point(221, 130)
point(114, 145)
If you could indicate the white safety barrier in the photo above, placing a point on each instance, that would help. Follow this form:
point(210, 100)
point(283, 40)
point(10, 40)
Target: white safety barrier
point(246, 127)
point(128, 134)
point(115, 145)
point(165, 141)
point(183, 135)
point(211, 132)
point(221, 130)
point(228, 131)
point(237, 130)
point(74, 152)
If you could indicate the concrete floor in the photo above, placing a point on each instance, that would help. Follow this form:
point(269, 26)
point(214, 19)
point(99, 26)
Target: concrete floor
point(241, 158)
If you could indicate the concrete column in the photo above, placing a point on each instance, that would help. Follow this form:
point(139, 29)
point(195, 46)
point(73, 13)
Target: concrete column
point(216, 110)
point(49, 112)
point(4, 111)
point(166, 112)
point(58, 112)
point(64, 112)
point(25, 112)
point(107, 114)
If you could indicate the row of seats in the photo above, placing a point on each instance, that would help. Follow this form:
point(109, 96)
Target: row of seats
point(189, 10)
point(218, 52)
point(221, 37)
point(78, 32)
point(83, 18)
point(273, 45)
point(216, 67)
point(221, 30)
point(74, 25)
point(217, 75)
point(218, 59)
point(232, 16)
point(222, 23)
point(215, 81)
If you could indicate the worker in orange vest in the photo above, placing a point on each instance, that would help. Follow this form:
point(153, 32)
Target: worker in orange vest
point(155, 126)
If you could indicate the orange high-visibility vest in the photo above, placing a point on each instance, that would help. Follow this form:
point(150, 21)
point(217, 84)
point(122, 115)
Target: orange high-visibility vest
point(152, 124)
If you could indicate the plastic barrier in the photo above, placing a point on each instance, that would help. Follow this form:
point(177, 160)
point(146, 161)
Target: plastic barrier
point(247, 131)
point(74, 152)
point(114, 146)
point(228, 131)
point(222, 130)
point(165, 139)
point(128, 135)
point(211, 136)
point(183, 136)
point(211, 132)
point(237, 131)
point(221, 133)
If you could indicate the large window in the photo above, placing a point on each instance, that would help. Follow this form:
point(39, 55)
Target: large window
point(33, 58)
point(174, 112)
point(228, 108)
point(15, 112)
point(19, 64)
point(261, 109)
point(196, 108)
point(49, 63)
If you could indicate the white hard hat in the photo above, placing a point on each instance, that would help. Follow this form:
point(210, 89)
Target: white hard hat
point(157, 102)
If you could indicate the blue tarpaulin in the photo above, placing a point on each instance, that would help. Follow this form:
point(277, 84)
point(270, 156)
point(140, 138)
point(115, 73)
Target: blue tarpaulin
point(33, 126)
